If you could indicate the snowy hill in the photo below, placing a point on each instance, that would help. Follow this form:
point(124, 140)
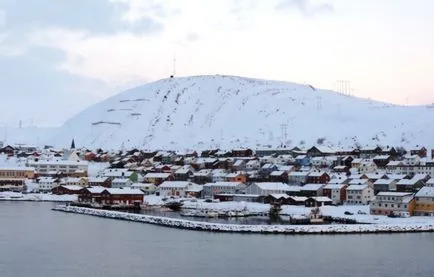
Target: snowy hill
point(226, 111)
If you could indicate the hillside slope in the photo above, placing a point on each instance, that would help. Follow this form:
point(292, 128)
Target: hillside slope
point(226, 111)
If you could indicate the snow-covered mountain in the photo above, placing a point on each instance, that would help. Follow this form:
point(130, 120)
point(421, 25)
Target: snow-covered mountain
point(226, 112)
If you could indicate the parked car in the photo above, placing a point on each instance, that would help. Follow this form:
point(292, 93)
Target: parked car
point(348, 213)
point(361, 212)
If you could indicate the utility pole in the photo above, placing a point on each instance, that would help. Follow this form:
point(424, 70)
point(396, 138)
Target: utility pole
point(319, 103)
point(284, 130)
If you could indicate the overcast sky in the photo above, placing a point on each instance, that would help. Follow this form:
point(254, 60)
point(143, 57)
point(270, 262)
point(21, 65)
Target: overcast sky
point(58, 57)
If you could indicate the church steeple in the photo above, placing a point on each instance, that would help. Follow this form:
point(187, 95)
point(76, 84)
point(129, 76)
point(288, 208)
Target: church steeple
point(73, 144)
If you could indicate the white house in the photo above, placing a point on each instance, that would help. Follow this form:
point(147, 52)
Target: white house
point(147, 188)
point(297, 177)
point(178, 188)
point(211, 189)
point(46, 184)
point(121, 183)
point(265, 189)
point(67, 167)
point(359, 194)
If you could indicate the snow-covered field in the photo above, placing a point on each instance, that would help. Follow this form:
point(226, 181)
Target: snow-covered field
point(297, 211)
point(265, 229)
point(14, 196)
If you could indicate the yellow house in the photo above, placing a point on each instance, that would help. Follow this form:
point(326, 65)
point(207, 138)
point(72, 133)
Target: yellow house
point(424, 202)
point(17, 173)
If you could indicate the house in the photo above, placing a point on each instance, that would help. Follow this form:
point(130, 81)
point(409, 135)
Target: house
point(12, 184)
point(367, 166)
point(318, 201)
point(121, 183)
point(381, 161)
point(74, 181)
point(367, 152)
point(99, 181)
point(202, 176)
point(91, 195)
point(302, 160)
point(253, 165)
point(240, 177)
point(419, 151)
point(17, 172)
point(125, 196)
point(184, 173)
point(297, 200)
point(320, 151)
point(341, 168)
point(178, 188)
point(397, 203)
point(66, 190)
point(147, 188)
point(430, 183)
point(8, 150)
point(361, 182)
point(359, 194)
point(158, 178)
point(279, 176)
point(406, 185)
point(424, 202)
point(318, 177)
point(336, 192)
point(239, 165)
point(46, 184)
point(298, 177)
point(67, 168)
point(242, 153)
point(372, 177)
point(319, 162)
point(310, 190)
point(282, 199)
point(383, 185)
point(392, 166)
point(264, 189)
point(267, 168)
point(211, 189)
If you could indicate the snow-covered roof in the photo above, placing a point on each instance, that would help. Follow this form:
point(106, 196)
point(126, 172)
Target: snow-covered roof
point(124, 191)
point(72, 187)
point(277, 173)
point(223, 184)
point(175, 184)
point(311, 187)
point(394, 194)
point(384, 181)
point(425, 192)
point(273, 186)
point(298, 174)
point(316, 173)
point(357, 187)
point(334, 186)
point(157, 175)
point(16, 168)
point(96, 190)
point(358, 182)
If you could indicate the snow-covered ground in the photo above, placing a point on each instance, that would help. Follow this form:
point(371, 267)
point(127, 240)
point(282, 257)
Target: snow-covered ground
point(14, 196)
point(397, 226)
point(360, 213)
point(228, 112)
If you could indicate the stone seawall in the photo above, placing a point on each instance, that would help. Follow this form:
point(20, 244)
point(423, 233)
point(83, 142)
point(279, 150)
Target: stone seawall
point(260, 229)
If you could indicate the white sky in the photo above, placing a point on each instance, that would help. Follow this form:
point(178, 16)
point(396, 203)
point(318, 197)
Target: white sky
point(74, 54)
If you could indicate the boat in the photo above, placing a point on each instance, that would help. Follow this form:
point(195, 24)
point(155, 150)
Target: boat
point(174, 205)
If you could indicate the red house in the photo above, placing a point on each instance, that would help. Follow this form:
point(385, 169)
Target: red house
point(318, 177)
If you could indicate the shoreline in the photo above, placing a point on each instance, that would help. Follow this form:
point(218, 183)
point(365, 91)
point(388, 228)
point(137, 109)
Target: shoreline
point(252, 229)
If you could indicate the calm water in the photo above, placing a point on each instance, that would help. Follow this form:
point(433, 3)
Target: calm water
point(35, 241)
